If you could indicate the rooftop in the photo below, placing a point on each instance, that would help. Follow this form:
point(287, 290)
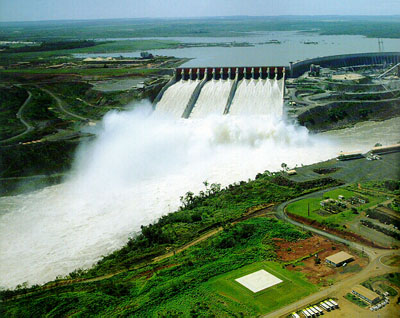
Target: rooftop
point(365, 292)
point(350, 153)
point(339, 257)
point(386, 147)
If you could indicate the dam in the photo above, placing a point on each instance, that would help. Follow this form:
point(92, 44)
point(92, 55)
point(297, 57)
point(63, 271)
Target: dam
point(199, 92)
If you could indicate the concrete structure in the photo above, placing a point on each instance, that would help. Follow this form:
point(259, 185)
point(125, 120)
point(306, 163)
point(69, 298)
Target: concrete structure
point(365, 294)
point(299, 68)
point(238, 73)
point(339, 259)
point(314, 70)
point(146, 55)
point(233, 73)
point(258, 281)
point(326, 202)
point(349, 155)
point(385, 149)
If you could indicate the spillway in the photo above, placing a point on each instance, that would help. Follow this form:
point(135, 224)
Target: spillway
point(213, 98)
point(199, 92)
point(261, 96)
point(176, 98)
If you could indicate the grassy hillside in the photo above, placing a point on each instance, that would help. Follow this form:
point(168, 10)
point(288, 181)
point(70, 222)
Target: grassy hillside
point(185, 285)
point(182, 285)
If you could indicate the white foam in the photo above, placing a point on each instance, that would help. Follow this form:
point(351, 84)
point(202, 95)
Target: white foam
point(212, 99)
point(176, 97)
point(133, 173)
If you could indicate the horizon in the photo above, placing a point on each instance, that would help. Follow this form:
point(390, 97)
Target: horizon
point(210, 17)
point(60, 10)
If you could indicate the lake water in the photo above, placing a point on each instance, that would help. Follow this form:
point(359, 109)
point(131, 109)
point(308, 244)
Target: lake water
point(291, 48)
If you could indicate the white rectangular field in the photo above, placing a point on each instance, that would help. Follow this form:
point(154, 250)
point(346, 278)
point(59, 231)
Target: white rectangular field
point(258, 280)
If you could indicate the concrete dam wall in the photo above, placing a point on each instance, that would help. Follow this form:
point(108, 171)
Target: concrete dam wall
point(297, 69)
point(199, 92)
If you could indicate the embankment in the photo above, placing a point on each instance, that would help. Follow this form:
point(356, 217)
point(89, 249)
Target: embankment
point(342, 114)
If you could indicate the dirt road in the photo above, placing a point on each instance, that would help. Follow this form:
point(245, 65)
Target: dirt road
point(374, 268)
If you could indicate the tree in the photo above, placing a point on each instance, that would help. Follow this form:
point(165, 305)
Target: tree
point(284, 166)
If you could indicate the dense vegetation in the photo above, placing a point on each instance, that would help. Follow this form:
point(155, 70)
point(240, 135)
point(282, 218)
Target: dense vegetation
point(59, 133)
point(141, 287)
point(36, 159)
point(11, 99)
point(356, 300)
point(382, 229)
point(392, 278)
point(177, 287)
point(341, 114)
point(210, 209)
point(50, 46)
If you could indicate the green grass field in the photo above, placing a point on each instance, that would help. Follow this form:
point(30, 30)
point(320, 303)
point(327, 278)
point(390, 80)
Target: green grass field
point(355, 300)
point(301, 207)
point(293, 287)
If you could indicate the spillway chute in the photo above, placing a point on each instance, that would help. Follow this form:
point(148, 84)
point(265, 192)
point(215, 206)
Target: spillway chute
point(198, 92)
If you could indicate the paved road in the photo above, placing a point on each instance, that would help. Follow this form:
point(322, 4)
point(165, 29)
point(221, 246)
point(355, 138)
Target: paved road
point(20, 116)
point(60, 105)
point(374, 268)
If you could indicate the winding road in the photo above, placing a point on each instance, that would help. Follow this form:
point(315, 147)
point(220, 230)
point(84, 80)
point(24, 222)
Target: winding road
point(374, 268)
point(60, 105)
point(20, 116)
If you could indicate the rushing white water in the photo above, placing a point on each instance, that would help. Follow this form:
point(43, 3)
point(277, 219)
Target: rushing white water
point(134, 172)
point(212, 99)
point(176, 97)
point(258, 97)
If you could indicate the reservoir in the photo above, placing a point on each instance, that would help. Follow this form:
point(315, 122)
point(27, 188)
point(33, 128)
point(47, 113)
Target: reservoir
point(293, 46)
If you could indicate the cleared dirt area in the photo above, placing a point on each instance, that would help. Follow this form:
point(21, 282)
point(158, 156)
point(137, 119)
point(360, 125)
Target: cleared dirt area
point(304, 251)
point(348, 309)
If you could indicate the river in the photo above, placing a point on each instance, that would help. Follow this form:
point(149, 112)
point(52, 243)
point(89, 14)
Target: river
point(292, 48)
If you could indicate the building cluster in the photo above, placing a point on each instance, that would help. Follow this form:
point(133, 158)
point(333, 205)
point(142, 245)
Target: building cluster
point(373, 153)
point(336, 206)
point(366, 294)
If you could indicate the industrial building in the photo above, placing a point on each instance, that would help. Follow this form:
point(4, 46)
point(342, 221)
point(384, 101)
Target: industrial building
point(350, 155)
point(365, 294)
point(299, 68)
point(339, 259)
point(385, 149)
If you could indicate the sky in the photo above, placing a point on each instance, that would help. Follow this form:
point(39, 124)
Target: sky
point(35, 10)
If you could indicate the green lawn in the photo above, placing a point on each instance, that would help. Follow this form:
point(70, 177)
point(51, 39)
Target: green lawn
point(301, 207)
point(293, 287)
point(354, 299)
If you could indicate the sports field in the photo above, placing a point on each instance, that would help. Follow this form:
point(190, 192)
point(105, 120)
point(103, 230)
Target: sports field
point(294, 286)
